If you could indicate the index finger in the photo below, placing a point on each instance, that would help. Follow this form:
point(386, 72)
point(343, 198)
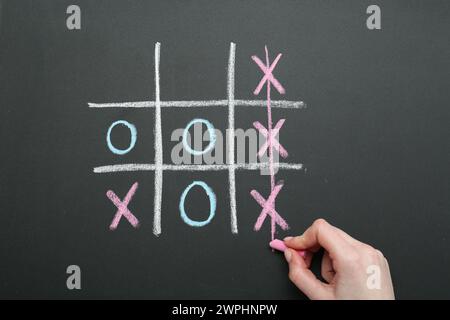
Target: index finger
point(320, 234)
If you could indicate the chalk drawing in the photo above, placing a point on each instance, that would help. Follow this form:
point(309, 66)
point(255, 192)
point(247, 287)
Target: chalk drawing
point(122, 207)
point(271, 139)
point(271, 143)
point(212, 204)
point(231, 168)
point(158, 148)
point(283, 104)
point(130, 167)
point(212, 137)
point(159, 167)
point(133, 133)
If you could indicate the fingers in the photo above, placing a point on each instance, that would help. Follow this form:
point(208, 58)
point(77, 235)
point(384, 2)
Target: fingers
point(308, 258)
point(327, 270)
point(304, 279)
point(388, 280)
point(320, 234)
point(344, 265)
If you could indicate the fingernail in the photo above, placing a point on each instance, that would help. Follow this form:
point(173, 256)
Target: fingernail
point(287, 238)
point(288, 255)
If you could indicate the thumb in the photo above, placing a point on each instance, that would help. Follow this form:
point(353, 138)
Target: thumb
point(304, 279)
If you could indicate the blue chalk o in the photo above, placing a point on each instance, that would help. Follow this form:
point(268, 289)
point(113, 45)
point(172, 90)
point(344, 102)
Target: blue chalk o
point(212, 137)
point(133, 133)
point(212, 204)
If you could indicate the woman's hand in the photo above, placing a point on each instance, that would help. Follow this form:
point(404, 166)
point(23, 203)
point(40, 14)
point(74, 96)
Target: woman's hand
point(351, 269)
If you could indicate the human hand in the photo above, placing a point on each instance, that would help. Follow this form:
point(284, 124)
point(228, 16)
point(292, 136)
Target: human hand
point(351, 269)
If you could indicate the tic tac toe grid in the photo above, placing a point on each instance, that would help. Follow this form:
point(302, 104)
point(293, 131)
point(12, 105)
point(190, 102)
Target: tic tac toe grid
point(231, 166)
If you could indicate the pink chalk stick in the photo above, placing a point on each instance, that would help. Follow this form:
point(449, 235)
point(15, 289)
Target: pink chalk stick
point(280, 246)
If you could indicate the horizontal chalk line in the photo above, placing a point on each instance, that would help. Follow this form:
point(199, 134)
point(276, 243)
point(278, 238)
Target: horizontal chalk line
point(199, 167)
point(200, 103)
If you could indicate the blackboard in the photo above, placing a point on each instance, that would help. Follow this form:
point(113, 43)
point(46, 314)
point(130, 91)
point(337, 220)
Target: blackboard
point(373, 140)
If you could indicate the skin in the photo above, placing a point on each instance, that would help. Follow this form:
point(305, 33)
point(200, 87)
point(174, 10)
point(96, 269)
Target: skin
point(345, 265)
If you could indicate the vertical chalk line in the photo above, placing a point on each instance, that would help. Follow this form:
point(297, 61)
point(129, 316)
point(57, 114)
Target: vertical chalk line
point(269, 134)
point(158, 149)
point(230, 140)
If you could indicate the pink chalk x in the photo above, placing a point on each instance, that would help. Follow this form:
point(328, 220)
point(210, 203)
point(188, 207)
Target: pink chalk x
point(280, 246)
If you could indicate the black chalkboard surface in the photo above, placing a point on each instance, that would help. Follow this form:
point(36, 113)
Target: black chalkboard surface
point(370, 129)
